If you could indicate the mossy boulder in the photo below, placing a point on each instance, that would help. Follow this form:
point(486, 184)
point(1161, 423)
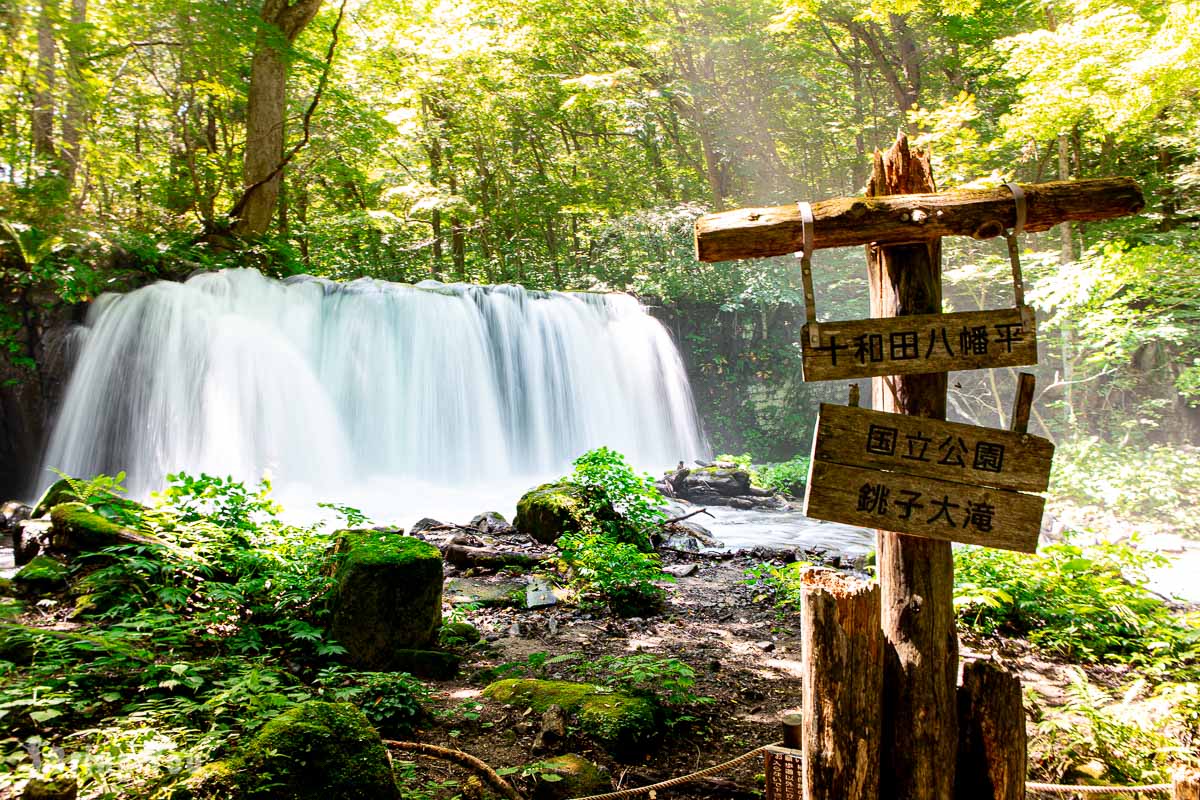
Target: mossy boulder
point(551, 510)
point(63, 787)
point(574, 776)
point(619, 720)
point(77, 528)
point(459, 633)
point(314, 751)
point(42, 574)
point(59, 492)
point(387, 598)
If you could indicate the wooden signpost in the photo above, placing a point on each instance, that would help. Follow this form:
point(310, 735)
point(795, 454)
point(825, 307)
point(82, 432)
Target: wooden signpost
point(942, 480)
point(922, 481)
point(918, 344)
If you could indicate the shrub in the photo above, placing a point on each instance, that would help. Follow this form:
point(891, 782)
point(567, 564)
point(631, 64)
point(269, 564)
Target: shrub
point(1084, 604)
point(621, 574)
point(612, 484)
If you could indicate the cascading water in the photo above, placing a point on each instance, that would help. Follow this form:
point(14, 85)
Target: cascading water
point(393, 396)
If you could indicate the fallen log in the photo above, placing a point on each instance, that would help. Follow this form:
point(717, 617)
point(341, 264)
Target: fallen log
point(465, 556)
point(906, 218)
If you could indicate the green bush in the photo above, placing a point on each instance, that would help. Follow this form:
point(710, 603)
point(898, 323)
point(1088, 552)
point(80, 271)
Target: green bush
point(612, 484)
point(788, 477)
point(1086, 604)
point(620, 574)
point(1157, 483)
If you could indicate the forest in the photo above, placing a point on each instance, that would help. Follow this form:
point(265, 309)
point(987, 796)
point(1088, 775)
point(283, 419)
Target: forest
point(278, 276)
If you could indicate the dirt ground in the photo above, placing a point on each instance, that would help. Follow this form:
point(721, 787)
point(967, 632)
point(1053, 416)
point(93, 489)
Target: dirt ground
point(745, 653)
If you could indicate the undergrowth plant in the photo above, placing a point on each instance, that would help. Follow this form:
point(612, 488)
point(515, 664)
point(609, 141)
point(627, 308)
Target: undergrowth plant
point(1086, 604)
point(193, 644)
point(612, 560)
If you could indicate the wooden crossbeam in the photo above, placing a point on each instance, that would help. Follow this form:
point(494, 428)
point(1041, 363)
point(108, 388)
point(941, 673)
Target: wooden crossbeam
point(906, 218)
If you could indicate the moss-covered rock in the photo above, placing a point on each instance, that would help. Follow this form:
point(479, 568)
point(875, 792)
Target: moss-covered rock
point(388, 598)
point(314, 751)
point(621, 721)
point(574, 776)
point(459, 633)
point(551, 510)
point(63, 787)
point(7, 588)
point(59, 492)
point(42, 574)
point(77, 528)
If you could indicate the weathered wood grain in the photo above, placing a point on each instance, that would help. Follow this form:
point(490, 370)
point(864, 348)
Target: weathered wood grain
point(992, 744)
point(842, 644)
point(934, 509)
point(919, 344)
point(904, 218)
point(916, 575)
point(952, 451)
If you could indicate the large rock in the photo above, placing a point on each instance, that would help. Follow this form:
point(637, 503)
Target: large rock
point(551, 510)
point(314, 751)
point(74, 527)
point(388, 598)
point(491, 523)
point(42, 574)
point(621, 721)
point(714, 485)
point(574, 776)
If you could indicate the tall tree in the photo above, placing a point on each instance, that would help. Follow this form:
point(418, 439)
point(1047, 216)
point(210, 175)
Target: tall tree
point(266, 108)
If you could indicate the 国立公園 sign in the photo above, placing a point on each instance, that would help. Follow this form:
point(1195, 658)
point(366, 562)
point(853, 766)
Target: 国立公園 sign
point(926, 477)
point(921, 343)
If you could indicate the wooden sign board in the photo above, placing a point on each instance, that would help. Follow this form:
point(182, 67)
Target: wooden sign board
point(928, 477)
point(964, 340)
point(932, 448)
point(920, 506)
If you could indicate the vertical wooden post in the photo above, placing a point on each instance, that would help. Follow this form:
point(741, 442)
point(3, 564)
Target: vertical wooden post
point(992, 745)
point(842, 643)
point(920, 734)
point(1186, 786)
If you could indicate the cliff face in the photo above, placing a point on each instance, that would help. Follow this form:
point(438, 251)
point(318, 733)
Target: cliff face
point(30, 393)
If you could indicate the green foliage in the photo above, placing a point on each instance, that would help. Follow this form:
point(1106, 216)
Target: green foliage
point(1150, 482)
point(670, 681)
point(787, 477)
point(1084, 729)
point(185, 647)
point(1084, 604)
point(612, 484)
point(392, 701)
point(618, 573)
point(781, 584)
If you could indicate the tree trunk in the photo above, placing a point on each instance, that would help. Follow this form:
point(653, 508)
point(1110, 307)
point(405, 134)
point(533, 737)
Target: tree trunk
point(992, 747)
point(73, 120)
point(42, 127)
point(266, 109)
point(842, 645)
point(916, 575)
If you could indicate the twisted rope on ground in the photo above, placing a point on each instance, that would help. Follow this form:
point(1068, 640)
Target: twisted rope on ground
point(654, 787)
point(488, 774)
point(1057, 788)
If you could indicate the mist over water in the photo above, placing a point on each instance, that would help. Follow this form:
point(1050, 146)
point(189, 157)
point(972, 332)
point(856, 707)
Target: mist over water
point(404, 399)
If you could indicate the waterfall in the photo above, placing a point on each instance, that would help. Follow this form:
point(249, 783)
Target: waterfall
point(334, 387)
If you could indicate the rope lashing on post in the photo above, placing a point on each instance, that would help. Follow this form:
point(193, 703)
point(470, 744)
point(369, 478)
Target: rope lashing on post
point(1057, 788)
point(653, 788)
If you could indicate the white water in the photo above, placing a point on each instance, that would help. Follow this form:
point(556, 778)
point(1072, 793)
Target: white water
point(404, 401)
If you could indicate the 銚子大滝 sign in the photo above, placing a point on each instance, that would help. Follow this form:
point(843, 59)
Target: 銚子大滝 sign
point(926, 477)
